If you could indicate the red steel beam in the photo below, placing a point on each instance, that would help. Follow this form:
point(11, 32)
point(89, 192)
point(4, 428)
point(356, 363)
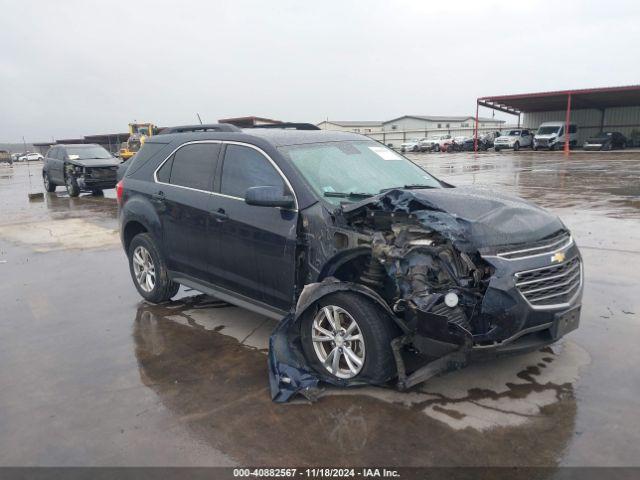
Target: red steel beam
point(566, 126)
point(475, 129)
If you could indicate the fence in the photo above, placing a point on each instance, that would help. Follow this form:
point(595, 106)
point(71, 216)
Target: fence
point(394, 138)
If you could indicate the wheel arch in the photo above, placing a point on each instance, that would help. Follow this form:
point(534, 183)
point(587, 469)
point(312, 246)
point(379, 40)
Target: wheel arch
point(343, 260)
point(137, 215)
point(130, 230)
point(314, 292)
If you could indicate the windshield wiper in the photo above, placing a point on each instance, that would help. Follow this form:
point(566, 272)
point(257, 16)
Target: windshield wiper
point(412, 186)
point(348, 194)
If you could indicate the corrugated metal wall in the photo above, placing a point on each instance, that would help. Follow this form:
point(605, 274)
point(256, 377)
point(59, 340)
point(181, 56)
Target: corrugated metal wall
point(621, 119)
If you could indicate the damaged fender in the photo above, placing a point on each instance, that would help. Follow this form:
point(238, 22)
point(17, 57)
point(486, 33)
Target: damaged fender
point(289, 372)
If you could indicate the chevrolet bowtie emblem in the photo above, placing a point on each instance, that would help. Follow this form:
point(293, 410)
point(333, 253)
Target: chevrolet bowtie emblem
point(557, 257)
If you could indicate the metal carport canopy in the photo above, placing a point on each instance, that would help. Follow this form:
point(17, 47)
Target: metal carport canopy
point(596, 98)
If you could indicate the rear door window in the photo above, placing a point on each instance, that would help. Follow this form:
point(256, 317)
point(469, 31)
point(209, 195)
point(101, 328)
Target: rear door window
point(245, 167)
point(194, 165)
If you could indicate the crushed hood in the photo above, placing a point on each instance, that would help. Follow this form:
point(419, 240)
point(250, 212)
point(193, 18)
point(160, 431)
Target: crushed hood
point(95, 163)
point(472, 218)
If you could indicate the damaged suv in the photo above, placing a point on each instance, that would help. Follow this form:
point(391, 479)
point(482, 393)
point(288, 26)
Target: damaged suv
point(379, 270)
point(79, 167)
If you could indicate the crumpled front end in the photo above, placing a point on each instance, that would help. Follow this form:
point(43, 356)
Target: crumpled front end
point(463, 273)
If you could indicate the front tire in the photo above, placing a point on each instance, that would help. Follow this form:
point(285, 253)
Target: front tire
point(148, 270)
point(348, 339)
point(516, 146)
point(72, 186)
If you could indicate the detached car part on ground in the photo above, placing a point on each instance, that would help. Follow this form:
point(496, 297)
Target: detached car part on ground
point(386, 283)
point(87, 167)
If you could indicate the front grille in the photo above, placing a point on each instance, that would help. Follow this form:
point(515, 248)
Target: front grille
point(545, 246)
point(551, 286)
point(106, 173)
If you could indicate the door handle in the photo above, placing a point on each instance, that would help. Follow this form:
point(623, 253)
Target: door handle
point(220, 215)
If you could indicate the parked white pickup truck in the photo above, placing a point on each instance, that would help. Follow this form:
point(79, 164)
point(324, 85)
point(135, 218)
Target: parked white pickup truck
point(516, 139)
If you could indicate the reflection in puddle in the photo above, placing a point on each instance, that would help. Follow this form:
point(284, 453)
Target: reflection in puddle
point(207, 365)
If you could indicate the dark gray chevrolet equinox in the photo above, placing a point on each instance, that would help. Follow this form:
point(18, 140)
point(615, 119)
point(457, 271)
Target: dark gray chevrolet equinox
point(375, 259)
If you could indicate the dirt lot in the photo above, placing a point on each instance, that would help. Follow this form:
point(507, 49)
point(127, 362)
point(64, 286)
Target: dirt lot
point(91, 375)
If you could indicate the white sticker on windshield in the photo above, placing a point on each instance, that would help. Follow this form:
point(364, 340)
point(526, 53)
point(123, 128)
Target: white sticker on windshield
point(74, 157)
point(385, 153)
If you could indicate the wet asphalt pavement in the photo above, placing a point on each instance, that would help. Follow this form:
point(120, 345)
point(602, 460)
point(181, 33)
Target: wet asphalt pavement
point(91, 375)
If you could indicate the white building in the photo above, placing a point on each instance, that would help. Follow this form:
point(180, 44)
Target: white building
point(417, 123)
point(365, 127)
point(398, 130)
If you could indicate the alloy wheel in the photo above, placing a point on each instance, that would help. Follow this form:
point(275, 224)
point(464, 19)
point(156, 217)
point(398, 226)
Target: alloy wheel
point(144, 269)
point(338, 341)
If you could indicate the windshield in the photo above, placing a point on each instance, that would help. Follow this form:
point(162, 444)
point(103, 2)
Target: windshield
point(349, 171)
point(548, 130)
point(88, 153)
point(512, 133)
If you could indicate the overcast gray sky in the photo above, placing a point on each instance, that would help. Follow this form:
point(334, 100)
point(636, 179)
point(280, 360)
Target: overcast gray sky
point(72, 68)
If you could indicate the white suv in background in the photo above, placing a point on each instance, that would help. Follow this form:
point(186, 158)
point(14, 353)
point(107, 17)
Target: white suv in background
point(434, 143)
point(551, 135)
point(30, 157)
point(516, 139)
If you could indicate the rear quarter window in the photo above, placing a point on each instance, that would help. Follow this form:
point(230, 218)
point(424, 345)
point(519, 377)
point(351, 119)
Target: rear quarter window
point(147, 152)
point(52, 153)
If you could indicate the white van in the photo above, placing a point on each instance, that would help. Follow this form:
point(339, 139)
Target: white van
point(551, 135)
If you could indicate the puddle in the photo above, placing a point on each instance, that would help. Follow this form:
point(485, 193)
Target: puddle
point(506, 392)
point(71, 233)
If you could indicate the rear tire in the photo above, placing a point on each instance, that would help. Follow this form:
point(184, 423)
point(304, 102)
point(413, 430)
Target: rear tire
point(375, 329)
point(148, 270)
point(49, 186)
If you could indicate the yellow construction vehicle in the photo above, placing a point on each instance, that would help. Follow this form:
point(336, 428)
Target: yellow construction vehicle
point(138, 133)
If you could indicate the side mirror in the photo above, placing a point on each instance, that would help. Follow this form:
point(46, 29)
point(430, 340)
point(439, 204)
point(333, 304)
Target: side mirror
point(268, 196)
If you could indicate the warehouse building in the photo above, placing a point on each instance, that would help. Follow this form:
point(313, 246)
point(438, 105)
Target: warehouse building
point(110, 141)
point(419, 123)
point(356, 126)
point(398, 130)
point(592, 110)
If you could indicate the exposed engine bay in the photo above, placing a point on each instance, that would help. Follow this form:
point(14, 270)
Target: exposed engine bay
point(431, 269)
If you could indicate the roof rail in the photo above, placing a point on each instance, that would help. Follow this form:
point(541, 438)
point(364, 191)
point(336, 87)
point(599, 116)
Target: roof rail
point(210, 127)
point(288, 126)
